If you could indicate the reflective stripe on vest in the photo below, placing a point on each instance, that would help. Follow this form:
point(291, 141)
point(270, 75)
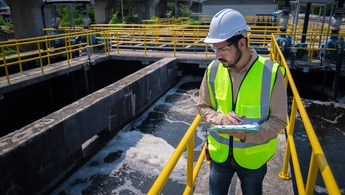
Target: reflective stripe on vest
point(213, 73)
point(236, 144)
point(244, 153)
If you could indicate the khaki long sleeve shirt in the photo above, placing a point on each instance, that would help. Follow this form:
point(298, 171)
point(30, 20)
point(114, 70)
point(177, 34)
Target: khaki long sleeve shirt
point(277, 119)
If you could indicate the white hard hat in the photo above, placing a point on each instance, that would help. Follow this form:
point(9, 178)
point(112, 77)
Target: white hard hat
point(226, 24)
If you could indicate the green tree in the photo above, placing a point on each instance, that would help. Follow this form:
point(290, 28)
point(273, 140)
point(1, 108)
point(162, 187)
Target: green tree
point(114, 19)
point(128, 11)
point(65, 14)
point(281, 4)
point(169, 9)
point(184, 11)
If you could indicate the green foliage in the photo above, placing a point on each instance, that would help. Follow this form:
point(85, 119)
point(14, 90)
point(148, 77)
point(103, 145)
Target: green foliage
point(64, 14)
point(281, 4)
point(2, 22)
point(184, 11)
point(128, 8)
point(328, 9)
point(176, 20)
point(169, 9)
point(193, 21)
point(5, 27)
point(8, 51)
point(114, 19)
point(154, 17)
point(130, 20)
point(91, 13)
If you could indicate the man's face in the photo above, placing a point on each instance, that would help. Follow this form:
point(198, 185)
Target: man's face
point(227, 53)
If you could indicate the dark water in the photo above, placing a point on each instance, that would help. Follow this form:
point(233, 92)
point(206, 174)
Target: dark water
point(328, 120)
point(131, 161)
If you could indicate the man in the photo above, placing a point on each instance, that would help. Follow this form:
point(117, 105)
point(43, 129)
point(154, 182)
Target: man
point(245, 83)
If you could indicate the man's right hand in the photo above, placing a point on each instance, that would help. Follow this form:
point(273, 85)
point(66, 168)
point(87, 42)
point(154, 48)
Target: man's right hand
point(232, 119)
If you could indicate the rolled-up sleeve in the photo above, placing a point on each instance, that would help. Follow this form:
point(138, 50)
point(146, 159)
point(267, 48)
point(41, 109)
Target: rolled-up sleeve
point(204, 105)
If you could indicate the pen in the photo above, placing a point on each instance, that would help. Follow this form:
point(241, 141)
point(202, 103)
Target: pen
point(238, 120)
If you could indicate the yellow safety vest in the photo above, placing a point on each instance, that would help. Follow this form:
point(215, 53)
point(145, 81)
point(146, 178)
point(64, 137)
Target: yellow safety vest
point(253, 101)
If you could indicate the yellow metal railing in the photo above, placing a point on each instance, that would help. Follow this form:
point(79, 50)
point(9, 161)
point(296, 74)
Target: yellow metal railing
point(174, 36)
point(318, 159)
point(192, 173)
point(314, 42)
point(167, 21)
point(41, 48)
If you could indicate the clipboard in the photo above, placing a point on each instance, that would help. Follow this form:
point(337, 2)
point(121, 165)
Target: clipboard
point(243, 128)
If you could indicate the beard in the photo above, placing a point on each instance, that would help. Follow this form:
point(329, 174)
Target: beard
point(233, 62)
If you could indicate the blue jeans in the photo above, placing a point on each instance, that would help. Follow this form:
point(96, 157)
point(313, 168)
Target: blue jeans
point(221, 175)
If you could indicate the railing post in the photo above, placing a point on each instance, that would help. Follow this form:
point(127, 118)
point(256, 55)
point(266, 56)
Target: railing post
point(289, 131)
point(117, 43)
point(145, 43)
point(67, 52)
point(47, 49)
point(18, 53)
point(312, 175)
point(190, 161)
point(5, 64)
point(175, 40)
point(40, 56)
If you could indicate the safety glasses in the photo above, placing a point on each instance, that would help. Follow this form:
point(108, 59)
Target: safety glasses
point(223, 50)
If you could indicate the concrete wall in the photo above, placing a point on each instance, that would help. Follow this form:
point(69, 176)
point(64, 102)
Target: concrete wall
point(34, 158)
point(247, 8)
point(26, 22)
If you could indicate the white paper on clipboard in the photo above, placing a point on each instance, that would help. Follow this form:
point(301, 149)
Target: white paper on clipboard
point(244, 128)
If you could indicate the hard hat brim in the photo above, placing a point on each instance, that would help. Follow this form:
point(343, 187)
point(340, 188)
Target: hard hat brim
point(213, 40)
point(210, 40)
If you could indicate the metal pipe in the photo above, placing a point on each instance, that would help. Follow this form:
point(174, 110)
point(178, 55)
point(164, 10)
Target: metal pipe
point(295, 24)
point(194, 49)
point(329, 22)
point(306, 20)
point(337, 72)
point(175, 8)
point(42, 13)
point(323, 24)
point(122, 10)
point(284, 44)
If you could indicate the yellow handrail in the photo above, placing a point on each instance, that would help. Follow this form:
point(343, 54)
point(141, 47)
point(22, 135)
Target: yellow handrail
point(186, 141)
point(318, 160)
point(36, 52)
point(171, 35)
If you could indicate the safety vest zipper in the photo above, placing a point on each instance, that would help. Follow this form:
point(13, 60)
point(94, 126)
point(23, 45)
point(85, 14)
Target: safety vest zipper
point(231, 142)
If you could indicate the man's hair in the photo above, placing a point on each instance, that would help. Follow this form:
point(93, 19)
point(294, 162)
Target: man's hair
point(235, 39)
